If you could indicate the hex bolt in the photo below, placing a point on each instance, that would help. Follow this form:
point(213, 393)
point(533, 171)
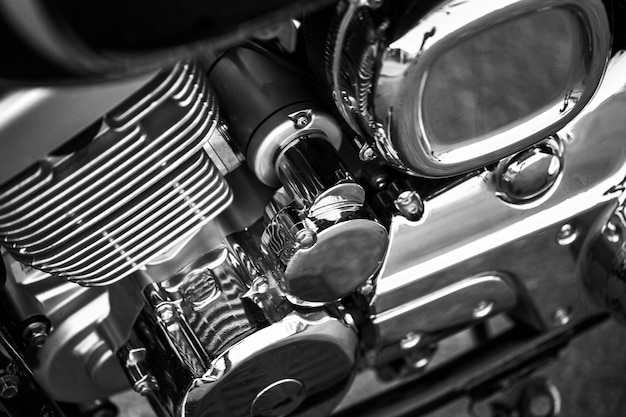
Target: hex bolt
point(410, 340)
point(301, 119)
point(36, 334)
point(9, 386)
point(366, 153)
point(562, 316)
point(483, 309)
point(166, 312)
point(612, 232)
point(566, 235)
point(306, 238)
point(410, 205)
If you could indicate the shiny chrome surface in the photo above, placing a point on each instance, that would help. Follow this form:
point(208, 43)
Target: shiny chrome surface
point(268, 106)
point(603, 271)
point(530, 173)
point(489, 234)
point(452, 94)
point(232, 385)
point(139, 188)
point(326, 243)
point(78, 362)
point(208, 296)
point(459, 303)
point(280, 130)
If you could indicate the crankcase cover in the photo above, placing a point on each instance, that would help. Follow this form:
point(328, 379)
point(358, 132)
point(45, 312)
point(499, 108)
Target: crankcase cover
point(300, 366)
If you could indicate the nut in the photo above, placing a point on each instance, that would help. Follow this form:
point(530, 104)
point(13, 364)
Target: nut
point(9, 386)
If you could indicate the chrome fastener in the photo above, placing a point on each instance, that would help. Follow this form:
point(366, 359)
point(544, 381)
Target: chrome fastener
point(306, 238)
point(9, 386)
point(36, 334)
point(367, 153)
point(562, 316)
point(483, 309)
point(410, 340)
point(301, 119)
point(566, 235)
point(410, 205)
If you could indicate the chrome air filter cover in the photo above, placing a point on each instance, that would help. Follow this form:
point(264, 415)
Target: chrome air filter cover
point(469, 82)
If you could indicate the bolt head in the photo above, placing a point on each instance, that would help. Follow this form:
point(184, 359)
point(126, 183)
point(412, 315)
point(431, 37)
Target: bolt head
point(166, 313)
point(367, 153)
point(306, 238)
point(483, 309)
point(410, 205)
point(562, 316)
point(36, 334)
point(410, 340)
point(9, 386)
point(566, 235)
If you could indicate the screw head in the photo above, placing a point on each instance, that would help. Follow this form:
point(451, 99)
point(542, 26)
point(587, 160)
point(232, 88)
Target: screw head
point(566, 235)
point(36, 334)
point(410, 340)
point(367, 153)
point(562, 316)
point(612, 232)
point(9, 386)
point(301, 119)
point(166, 313)
point(483, 309)
point(306, 238)
point(410, 205)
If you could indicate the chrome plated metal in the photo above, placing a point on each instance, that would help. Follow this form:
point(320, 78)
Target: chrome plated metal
point(325, 244)
point(279, 131)
point(140, 188)
point(36, 334)
point(410, 205)
point(207, 296)
point(530, 173)
point(451, 94)
point(269, 106)
point(88, 326)
point(314, 351)
point(222, 151)
point(467, 230)
point(453, 305)
point(603, 270)
point(278, 399)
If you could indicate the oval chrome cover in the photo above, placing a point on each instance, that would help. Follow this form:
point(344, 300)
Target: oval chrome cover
point(474, 81)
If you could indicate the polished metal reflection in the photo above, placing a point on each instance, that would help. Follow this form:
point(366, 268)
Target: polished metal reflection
point(314, 350)
point(326, 243)
point(523, 239)
point(472, 81)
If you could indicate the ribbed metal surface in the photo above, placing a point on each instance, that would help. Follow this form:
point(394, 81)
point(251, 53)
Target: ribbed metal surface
point(142, 186)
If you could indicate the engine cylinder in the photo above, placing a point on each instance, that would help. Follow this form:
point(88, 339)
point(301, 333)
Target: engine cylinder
point(103, 206)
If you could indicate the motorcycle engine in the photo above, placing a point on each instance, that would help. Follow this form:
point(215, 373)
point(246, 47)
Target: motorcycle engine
point(214, 237)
